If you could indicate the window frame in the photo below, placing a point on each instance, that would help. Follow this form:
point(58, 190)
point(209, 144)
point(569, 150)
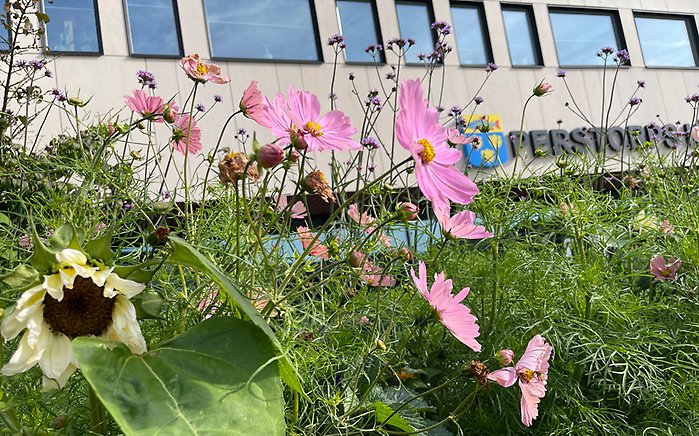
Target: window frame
point(178, 30)
point(98, 29)
point(316, 35)
point(377, 29)
point(431, 18)
point(484, 25)
point(528, 9)
point(690, 26)
point(616, 27)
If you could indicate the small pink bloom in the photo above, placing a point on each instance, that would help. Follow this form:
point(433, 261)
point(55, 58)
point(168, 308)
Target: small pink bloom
point(695, 133)
point(306, 237)
point(186, 136)
point(202, 72)
point(532, 372)
point(364, 320)
point(418, 131)
point(461, 225)
point(456, 317)
point(298, 210)
point(298, 120)
point(363, 219)
point(374, 275)
point(457, 138)
point(270, 155)
point(542, 88)
point(146, 105)
point(408, 211)
point(664, 270)
point(505, 357)
point(252, 102)
point(170, 111)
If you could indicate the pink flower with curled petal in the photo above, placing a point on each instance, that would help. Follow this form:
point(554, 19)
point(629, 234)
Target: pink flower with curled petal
point(456, 317)
point(664, 269)
point(532, 372)
point(363, 219)
point(306, 237)
point(146, 105)
point(251, 103)
point(457, 138)
point(461, 225)
point(695, 133)
point(299, 120)
point(202, 72)
point(186, 135)
point(298, 210)
point(418, 131)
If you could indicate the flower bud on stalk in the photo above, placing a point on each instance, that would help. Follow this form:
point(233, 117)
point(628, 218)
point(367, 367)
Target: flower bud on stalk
point(505, 357)
point(542, 88)
point(270, 155)
point(408, 211)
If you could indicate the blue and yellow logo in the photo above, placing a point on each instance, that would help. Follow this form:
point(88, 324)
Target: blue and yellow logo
point(491, 149)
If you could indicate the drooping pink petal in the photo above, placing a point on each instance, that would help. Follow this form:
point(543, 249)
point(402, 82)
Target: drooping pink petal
point(461, 225)
point(318, 249)
point(458, 138)
point(202, 72)
point(186, 135)
point(364, 218)
point(146, 105)
point(532, 393)
point(252, 103)
point(505, 377)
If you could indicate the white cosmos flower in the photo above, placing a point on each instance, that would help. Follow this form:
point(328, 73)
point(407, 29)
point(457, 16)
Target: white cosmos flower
point(79, 300)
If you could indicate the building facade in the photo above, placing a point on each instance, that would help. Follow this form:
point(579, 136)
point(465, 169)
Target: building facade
point(97, 46)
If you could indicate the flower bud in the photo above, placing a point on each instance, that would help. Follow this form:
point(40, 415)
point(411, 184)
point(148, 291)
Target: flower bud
point(364, 320)
point(406, 253)
point(408, 211)
point(380, 345)
point(505, 357)
point(542, 88)
point(159, 236)
point(169, 113)
point(355, 259)
point(293, 156)
point(270, 155)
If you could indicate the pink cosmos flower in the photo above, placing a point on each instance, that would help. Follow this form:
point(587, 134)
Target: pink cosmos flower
point(252, 102)
point(457, 138)
point(532, 372)
point(202, 72)
point(364, 218)
point(455, 316)
point(318, 249)
point(695, 133)
point(374, 276)
point(299, 120)
point(298, 210)
point(418, 131)
point(664, 270)
point(186, 138)
point(461, 225)
point(146, 105)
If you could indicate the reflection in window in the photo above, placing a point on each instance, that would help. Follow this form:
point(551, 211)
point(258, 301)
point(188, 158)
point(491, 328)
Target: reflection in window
point(471, 40)
point(153, 28)
point(665, 41)
point(521, 36)
point(415, 20)
point(359, 27)
point(73, 26)
point(579, 36)
point(262, 29)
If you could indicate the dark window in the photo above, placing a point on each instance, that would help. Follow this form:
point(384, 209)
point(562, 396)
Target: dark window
point(360, 27)
point(522, 37)
point(74, 27)
point(580, 34)
point(471, 33)
point(262, 29)
point(415, 20)
point(153, 28)
point(667, 41)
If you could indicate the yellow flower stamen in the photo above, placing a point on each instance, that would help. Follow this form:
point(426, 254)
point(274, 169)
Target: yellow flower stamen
point(666, 272)
point(527, 375)
point(427, 153)
point(201, 68)
point(314, 128)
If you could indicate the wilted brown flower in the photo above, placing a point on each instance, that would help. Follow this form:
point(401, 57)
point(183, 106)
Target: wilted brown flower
point(315, 182)
point(233, 167)
point(479, 371)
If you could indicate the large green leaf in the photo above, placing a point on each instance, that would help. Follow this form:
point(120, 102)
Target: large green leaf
point(218, 378)
point(184, 254)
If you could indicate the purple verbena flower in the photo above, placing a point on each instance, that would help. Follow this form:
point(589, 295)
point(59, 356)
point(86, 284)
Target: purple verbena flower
point(442, 27)
point(478, 99)
point(373, 48)
point(491, 67)
point(370, 143)
point(561, 73)
point(399, 42)
point(218, 98)
point(336, 39)
point(641, 83)
point(145, 77)
point(200, 107)
point(622, 56)
point(455, 111)
point(242, 132)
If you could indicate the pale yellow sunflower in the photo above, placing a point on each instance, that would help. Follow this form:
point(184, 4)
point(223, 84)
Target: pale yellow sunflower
point(80, 299)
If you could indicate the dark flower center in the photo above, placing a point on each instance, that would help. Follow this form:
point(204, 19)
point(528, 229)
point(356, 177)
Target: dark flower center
point(83, 311)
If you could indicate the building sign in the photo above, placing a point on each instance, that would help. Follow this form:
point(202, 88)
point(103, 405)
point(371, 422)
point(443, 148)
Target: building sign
point(493, 148)
point(490, 148)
